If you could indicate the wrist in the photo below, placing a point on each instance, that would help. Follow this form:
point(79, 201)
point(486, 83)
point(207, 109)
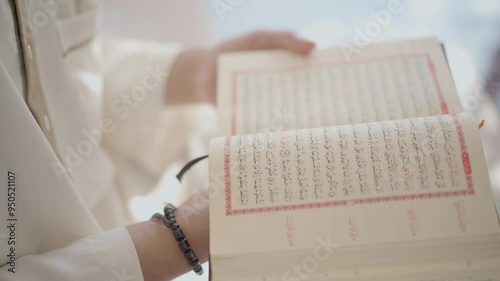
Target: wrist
point(158, 251)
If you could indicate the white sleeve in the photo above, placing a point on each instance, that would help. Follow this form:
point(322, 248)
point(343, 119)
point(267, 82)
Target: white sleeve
point(49, 234)
point(106, 256)
point(135, 75)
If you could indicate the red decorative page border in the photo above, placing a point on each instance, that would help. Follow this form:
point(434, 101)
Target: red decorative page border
point(233, 105)
point(227, 174)
point(432, 68)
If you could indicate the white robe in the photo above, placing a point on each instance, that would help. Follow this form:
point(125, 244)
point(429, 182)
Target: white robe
point(83, 132)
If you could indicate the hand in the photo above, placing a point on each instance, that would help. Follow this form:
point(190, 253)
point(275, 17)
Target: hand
point(193, 75)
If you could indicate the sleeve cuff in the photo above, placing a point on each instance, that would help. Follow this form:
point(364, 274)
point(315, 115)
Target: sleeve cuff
point(116, 255)
point(107, 256)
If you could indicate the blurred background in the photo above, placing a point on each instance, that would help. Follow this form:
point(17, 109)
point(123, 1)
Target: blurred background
point(469, 30)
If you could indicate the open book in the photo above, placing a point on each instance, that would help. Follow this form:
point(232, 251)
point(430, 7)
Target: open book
point(360, 169)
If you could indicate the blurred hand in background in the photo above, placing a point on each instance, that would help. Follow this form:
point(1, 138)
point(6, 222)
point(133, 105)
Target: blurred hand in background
point(193, 75)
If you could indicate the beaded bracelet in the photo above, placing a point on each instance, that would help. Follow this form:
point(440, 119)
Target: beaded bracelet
point(169, 220)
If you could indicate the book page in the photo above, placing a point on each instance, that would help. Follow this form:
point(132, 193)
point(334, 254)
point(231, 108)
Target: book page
point(275, 91)
point(369, 183)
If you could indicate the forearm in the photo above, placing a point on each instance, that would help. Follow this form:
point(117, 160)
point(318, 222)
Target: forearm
point(158, 252)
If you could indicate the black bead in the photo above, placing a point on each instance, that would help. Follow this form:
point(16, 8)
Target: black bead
point(184, 245)
point(178, 234)
point(191, 257)
point(174, 226)
point(198, 269)
point(171, 218)
point(168, 223)
point(169, 208)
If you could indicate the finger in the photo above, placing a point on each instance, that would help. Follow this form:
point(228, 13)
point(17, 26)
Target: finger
point(279, 40)
point(260, 40)
point(300, 45)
